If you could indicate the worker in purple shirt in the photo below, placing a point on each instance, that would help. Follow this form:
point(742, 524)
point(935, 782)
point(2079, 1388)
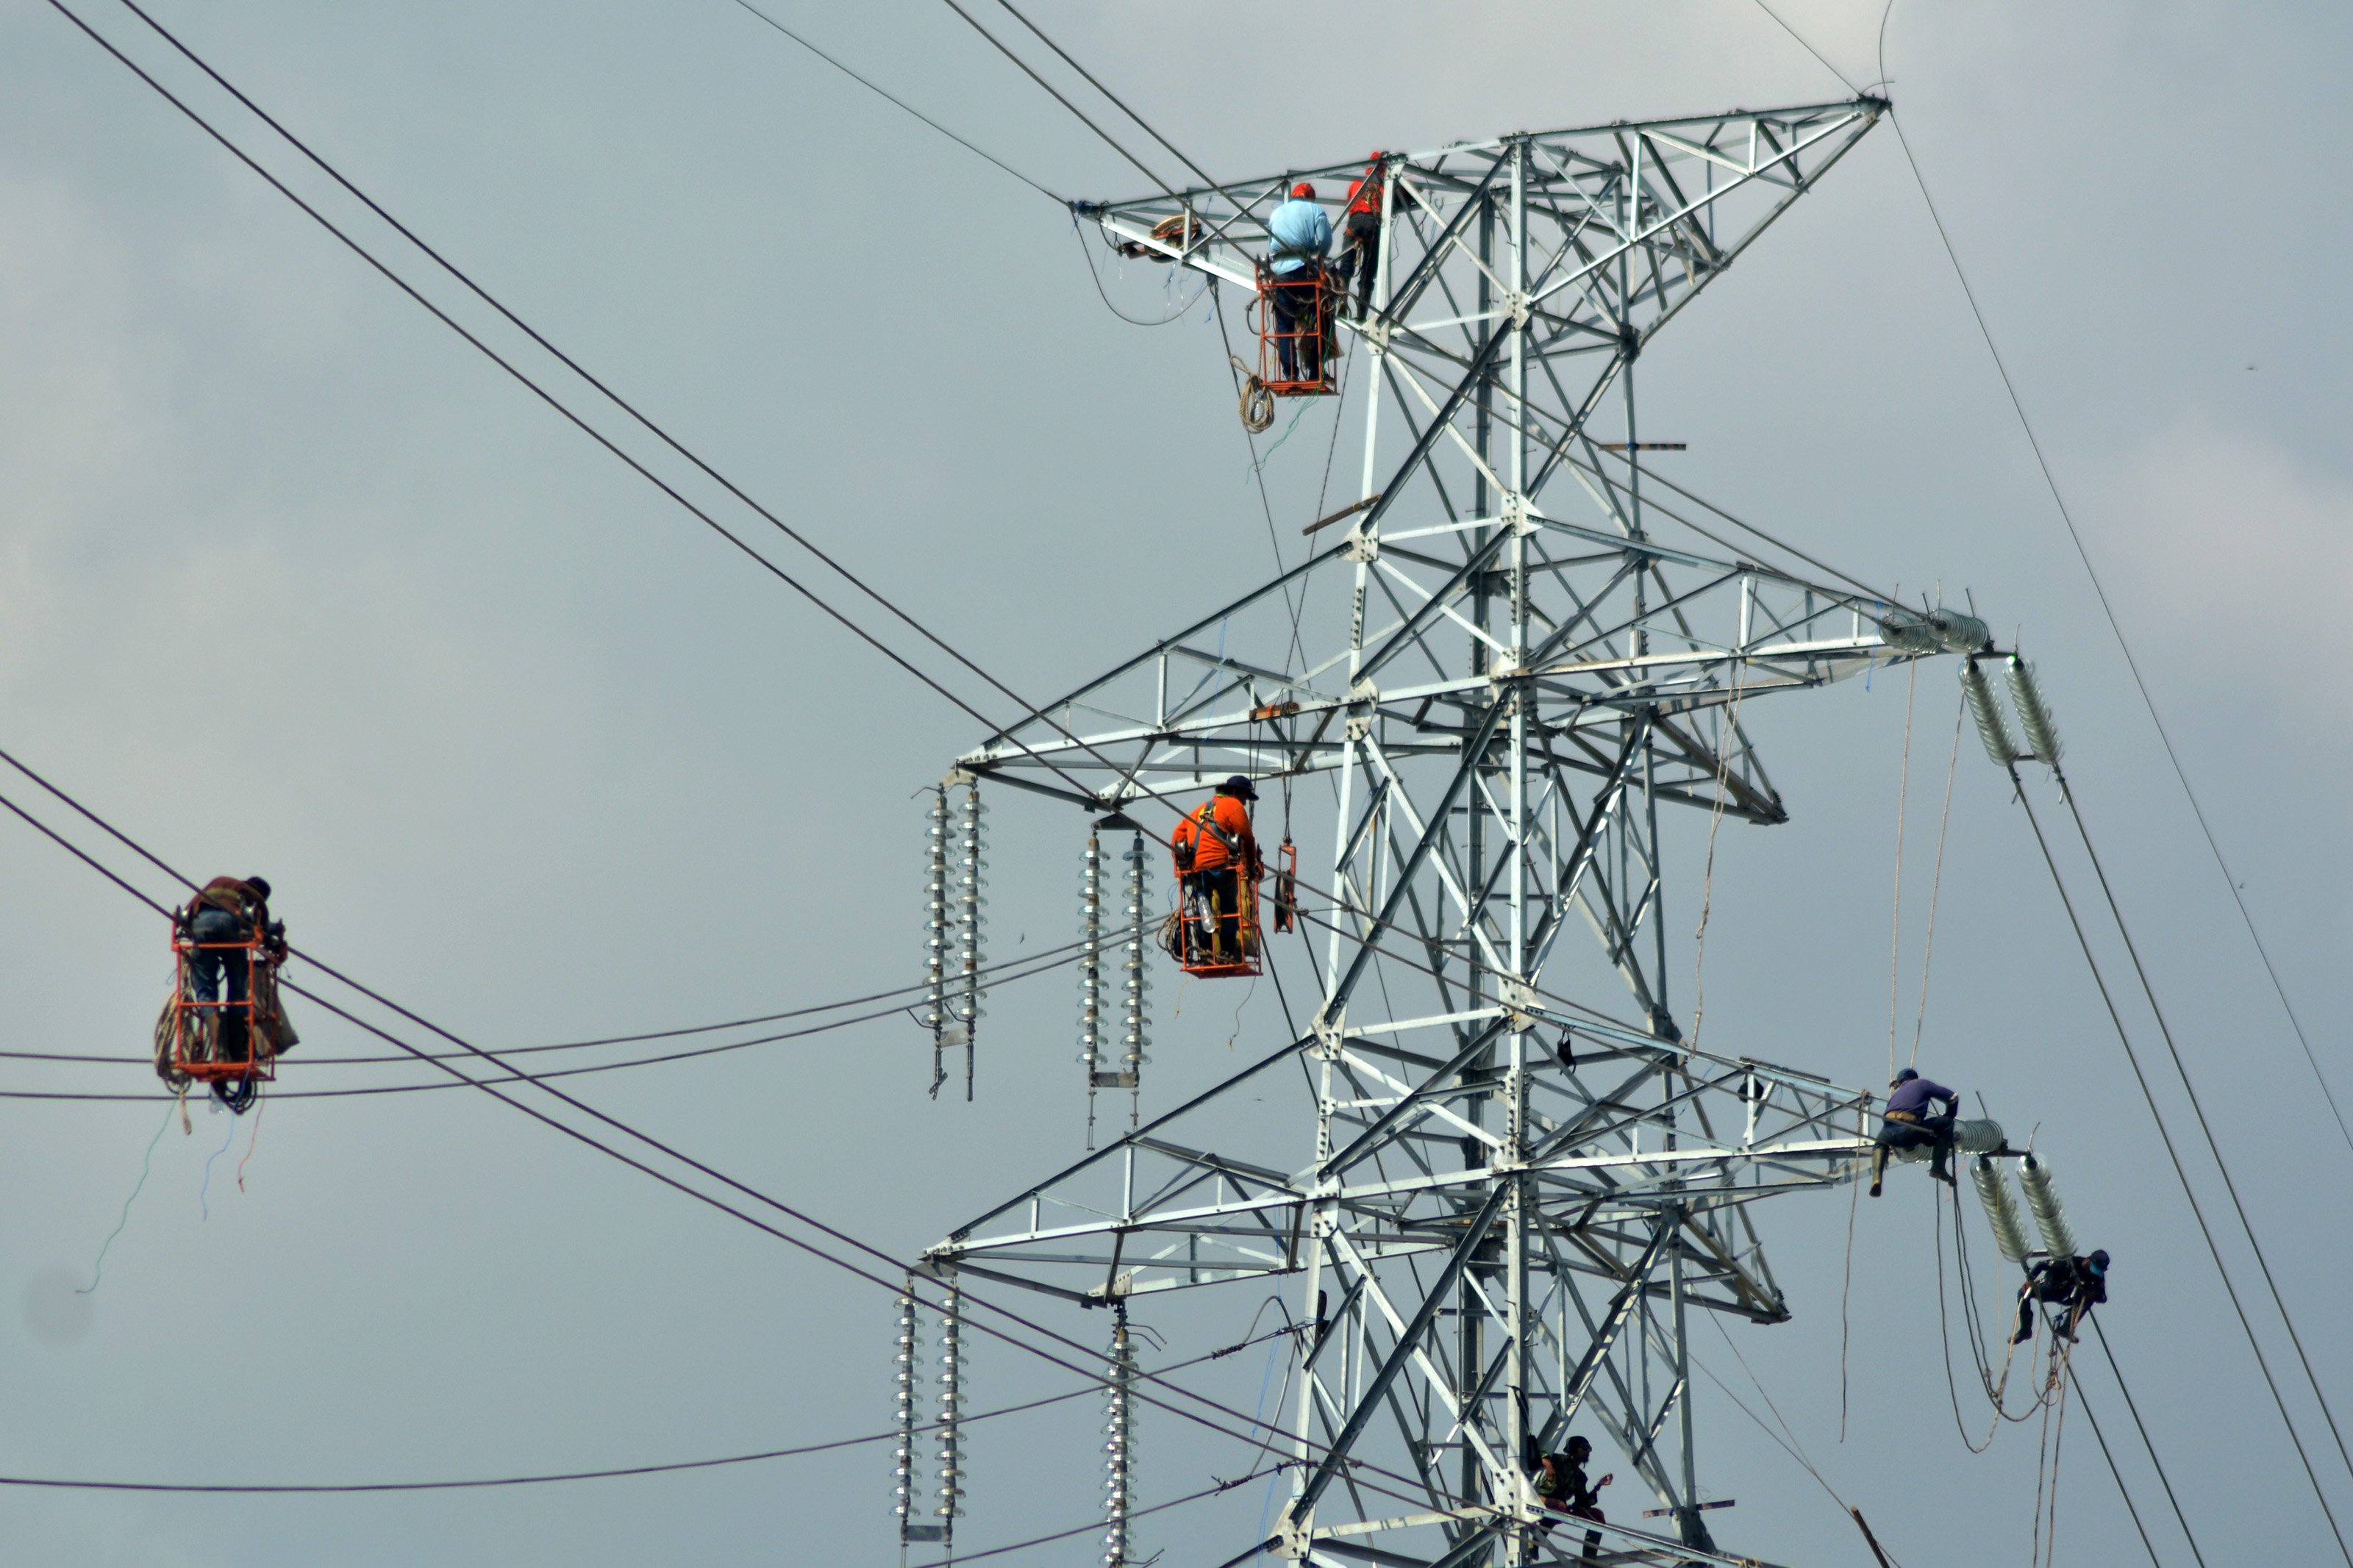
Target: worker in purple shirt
point(1909, 1122)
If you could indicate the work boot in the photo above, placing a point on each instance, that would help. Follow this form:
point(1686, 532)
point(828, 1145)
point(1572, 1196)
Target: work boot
point(1874, 1188)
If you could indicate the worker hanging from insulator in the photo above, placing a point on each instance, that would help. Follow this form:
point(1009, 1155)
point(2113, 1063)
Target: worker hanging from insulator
point(223, 1024)
point(1215, 927)
point(1294, 301)
point(2072, 1285)
point(1286, 886)
point(1360, 235)
point(1909, 1121)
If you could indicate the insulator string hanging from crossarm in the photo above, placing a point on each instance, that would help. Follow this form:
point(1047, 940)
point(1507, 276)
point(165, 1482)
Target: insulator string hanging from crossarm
point(971, 877)
point(935, 939)
point(1119, 1434)
point(1091, 970)
point(2001, 1208)
point(906, 1458)
point(1134, 1033)
point(1985, 707)
point(2033, 713)
point(2042, 1203)
point(951, 1492)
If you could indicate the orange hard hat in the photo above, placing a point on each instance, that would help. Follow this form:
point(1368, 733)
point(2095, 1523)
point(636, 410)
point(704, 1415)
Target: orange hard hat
point(1304, 190)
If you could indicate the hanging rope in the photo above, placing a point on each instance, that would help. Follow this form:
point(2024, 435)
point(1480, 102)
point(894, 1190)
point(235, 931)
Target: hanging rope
point(262, 1105)
point(1730, 731)
point(146, 1164)
point(1937, 880)
point(1257, 402)
point(1895, 934)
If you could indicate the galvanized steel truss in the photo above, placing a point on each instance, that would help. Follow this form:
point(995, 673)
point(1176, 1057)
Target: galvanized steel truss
point(1510, 661)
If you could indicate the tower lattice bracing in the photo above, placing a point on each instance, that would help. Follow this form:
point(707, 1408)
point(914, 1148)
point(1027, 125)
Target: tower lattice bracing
point(1516, 1177)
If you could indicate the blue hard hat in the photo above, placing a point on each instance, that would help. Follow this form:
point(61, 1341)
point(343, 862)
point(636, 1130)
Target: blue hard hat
point(1907, 1075)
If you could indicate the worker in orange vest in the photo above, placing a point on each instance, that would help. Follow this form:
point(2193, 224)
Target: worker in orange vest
point(1214, 849)
point(1360, 235)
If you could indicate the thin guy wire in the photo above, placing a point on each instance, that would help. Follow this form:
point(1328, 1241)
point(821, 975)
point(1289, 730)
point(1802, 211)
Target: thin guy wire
point(1116, 101)
point(1810, 48)
point(1895, 928)
point(512, 369)
point(1937, 880)
point(75, 1485)
point(2107, 609)
point(2101, 1437)
point(2101, 1334)
point(278, 1489)
point(1029, 710)
point(901, 102)
point(1109, 140)
point(897, 1287)
point(2083, 940)
point(2197, 1109)
point(615, 398)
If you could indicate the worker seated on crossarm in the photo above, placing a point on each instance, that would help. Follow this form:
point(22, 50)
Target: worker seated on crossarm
point(1560, 1486)
point(1214, 849)
point(2073, 1285)
point(226, 914)
point(1911, 1121)
point(1299, 236)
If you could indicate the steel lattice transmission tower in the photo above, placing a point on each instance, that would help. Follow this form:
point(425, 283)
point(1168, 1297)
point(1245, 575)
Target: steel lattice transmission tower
point(1509, 666)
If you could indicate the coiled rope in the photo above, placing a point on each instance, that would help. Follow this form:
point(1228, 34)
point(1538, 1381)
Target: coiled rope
point(1257, 402)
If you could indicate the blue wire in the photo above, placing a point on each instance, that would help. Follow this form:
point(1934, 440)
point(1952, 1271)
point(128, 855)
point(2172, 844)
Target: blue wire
point(216, 1154)
point(99, 1266)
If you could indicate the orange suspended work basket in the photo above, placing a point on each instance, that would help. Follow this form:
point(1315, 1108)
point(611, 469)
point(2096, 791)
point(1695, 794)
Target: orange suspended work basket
point(1214, 943)
point(227, 1041)
point(1295, 310)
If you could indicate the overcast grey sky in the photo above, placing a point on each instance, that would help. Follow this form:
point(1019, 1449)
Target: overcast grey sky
point(292, 581)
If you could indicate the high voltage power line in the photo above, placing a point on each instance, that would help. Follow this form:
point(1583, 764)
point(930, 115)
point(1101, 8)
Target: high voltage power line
point(798, 539)
point(1361, 1471)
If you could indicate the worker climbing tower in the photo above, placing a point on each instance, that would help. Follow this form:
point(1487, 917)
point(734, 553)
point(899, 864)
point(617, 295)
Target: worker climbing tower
point(1502, 680)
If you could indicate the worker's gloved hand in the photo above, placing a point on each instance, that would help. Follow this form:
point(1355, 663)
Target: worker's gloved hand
point(1605, 1480)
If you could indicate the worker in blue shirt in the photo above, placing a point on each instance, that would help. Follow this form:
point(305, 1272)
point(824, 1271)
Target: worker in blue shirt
point(1909, 1122)
point(1298, 235)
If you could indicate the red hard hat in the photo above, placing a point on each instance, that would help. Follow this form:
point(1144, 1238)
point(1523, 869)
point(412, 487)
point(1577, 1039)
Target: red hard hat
point(1303, 190)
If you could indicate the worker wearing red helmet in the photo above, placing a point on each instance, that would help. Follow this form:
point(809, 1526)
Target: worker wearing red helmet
point(1214, 849)
point(1360, 230)
point(1299, 236)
